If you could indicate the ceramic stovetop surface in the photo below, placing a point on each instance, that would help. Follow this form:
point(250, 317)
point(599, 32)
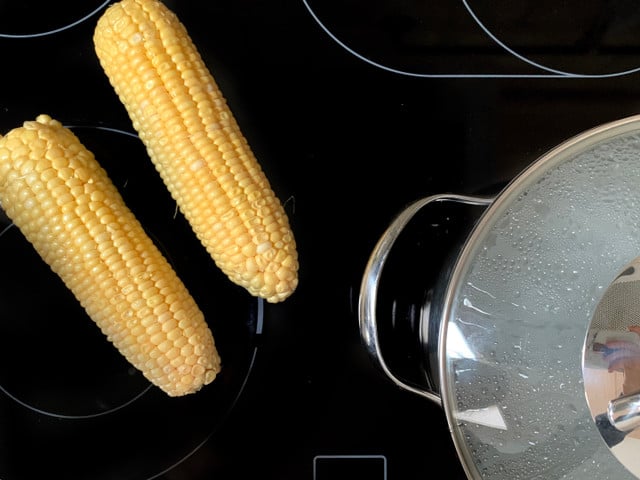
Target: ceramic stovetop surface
point(354, 109)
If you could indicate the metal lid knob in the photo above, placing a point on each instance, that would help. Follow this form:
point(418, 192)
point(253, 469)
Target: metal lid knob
point(611, 365)
point(624, 412)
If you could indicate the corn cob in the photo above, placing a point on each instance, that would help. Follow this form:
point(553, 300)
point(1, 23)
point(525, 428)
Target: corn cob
point(196, 145)
point(62, 200)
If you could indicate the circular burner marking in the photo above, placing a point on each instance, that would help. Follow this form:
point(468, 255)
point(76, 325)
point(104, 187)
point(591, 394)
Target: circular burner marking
point(572, 38)
point(32, 18)
point(478, 38)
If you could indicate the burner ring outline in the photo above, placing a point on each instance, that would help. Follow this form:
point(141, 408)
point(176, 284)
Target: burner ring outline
point(550, 72)
point(56, 30)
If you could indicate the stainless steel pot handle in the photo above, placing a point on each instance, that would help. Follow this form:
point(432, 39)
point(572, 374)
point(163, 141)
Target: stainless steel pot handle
point(367, 300)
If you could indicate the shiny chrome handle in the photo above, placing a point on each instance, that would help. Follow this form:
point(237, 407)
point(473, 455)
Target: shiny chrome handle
point(624, 412)
point(367, 300)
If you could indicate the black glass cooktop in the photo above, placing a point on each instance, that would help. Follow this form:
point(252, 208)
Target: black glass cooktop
point(354, 109)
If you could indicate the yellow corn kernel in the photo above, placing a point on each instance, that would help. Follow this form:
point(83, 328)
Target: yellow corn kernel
point(63, 202)
point(196, 145)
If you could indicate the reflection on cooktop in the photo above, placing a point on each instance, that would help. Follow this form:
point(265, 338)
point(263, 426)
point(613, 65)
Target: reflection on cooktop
point(481, 38)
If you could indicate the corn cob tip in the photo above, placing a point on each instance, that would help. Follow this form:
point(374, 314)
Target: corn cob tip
point(62, 200)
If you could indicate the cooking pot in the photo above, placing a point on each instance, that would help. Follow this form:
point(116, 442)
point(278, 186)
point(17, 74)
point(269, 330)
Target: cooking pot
point(509, 329)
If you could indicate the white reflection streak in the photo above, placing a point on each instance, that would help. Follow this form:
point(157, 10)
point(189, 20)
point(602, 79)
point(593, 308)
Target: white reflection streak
point(475, 287)
point(471, 285)
point(457, 345)
point(489, 416)
point(456, 341)
point(467, 303)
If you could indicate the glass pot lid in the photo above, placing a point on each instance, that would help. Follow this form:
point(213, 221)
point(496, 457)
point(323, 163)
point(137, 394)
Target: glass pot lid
point(520, 302)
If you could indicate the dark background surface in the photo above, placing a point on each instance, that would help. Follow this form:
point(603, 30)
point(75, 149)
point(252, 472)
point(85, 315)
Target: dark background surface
point(403, 102)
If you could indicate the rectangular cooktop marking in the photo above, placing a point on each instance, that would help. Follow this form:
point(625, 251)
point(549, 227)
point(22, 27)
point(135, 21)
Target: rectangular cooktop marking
point(343, 467)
